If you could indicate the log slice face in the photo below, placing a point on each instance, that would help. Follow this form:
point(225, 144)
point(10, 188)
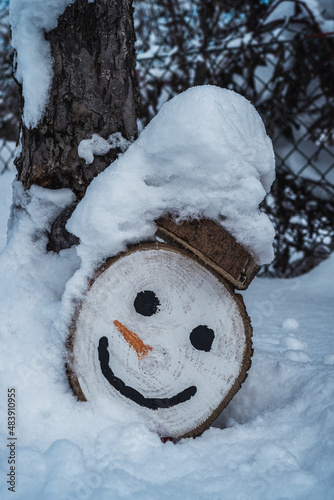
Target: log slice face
point(160, 333)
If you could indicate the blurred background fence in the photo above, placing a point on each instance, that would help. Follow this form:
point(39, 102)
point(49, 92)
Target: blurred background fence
point(277, 54)
point(7, 155)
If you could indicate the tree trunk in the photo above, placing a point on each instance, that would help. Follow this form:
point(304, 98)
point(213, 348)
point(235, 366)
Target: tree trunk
point(94, 90)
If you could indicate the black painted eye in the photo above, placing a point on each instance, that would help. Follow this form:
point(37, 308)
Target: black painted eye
point(146, 303)
point(202, 337)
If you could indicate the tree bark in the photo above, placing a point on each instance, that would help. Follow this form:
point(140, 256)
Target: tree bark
point(94, 90)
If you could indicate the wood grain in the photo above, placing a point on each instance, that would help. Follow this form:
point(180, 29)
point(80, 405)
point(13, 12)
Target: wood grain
point(178, 389)
point(212, 244)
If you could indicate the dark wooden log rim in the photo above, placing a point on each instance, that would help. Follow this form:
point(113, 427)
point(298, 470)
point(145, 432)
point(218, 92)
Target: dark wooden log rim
point(214, 246)
point(248, 351)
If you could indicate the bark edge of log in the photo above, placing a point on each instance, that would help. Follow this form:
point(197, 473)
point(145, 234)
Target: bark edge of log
point(213, 245)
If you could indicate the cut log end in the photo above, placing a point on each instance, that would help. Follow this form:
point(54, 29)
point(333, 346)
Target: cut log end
point(193, 328)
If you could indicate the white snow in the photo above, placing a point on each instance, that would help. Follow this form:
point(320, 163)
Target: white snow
point(30, 19)
point(5, 201)
point(273, 442)
point(97, 145)
point(290, 324)
point(6, 179)
point(329, 359)
point(206, 153)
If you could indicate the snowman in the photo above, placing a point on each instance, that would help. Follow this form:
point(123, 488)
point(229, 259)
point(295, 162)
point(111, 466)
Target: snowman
point(168, 233)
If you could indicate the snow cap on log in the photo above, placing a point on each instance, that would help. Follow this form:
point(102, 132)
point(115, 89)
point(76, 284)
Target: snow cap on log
point(206, 154)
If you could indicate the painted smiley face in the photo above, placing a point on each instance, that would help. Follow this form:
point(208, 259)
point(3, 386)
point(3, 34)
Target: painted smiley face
point(160, 333)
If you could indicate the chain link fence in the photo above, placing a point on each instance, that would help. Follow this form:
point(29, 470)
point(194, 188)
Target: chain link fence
point(7, 155)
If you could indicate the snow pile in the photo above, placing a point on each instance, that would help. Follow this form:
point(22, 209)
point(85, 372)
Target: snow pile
point(274, 441)
point(5, 200)
point(207, 154)
point(29, 20)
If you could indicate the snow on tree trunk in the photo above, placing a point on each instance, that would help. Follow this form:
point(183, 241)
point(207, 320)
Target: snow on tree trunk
point(94, 90)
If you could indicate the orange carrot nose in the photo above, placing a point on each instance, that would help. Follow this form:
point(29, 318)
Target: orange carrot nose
point(133, 340)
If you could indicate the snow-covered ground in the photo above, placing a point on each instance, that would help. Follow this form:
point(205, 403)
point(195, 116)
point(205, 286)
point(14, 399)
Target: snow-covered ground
point(205, 154)
point(274, 441)
point(5, 200)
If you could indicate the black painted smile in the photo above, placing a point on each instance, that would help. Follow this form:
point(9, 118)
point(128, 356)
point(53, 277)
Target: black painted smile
point(133, 394)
